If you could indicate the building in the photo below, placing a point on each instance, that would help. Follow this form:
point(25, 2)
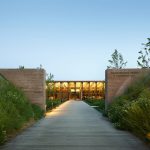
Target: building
point(76, 89)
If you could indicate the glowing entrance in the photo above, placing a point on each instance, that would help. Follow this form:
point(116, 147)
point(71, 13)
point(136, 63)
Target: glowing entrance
point(76, 89)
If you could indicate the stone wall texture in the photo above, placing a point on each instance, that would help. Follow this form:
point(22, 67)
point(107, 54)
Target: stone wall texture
point(30, 81)
point(117, 80)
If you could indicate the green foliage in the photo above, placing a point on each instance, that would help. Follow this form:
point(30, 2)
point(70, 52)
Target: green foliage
point(2, 135)
point(15, 109)
point(21, 67)
point(49, 78)
point(38, 112)
point(49, 84)
point(131, 111)
point(144, 58)
point(117, 61)
point(50, 104)
point(100, 103)
point(116, 111)
point(137, 117)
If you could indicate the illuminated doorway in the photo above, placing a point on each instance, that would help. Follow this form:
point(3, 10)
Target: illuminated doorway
point(75, 94)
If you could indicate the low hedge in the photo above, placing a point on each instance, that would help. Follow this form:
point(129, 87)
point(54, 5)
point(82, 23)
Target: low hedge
point(52, 103)
point(100, 103)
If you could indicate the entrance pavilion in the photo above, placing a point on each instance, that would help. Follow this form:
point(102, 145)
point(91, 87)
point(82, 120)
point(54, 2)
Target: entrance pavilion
point(76, 89)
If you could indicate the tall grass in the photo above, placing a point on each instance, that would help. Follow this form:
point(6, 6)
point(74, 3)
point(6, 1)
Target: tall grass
point(131, 110)
point(15, 109)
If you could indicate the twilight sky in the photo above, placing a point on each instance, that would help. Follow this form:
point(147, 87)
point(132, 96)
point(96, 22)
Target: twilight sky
point(72, 39)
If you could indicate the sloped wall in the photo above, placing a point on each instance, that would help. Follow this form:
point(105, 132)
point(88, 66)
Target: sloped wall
point(30, 81)
point(117, 80)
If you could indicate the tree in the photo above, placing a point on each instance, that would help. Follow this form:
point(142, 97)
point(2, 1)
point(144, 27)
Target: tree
point(21, 67)
point(144, 58)
point(49, 78)
point(49, 84)
point(117, 61)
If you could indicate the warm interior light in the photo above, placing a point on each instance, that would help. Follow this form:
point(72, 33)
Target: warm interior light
point(77, 90)
point(72, 90)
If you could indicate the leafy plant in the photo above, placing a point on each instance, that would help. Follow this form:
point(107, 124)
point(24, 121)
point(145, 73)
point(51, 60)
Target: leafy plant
point(137, 116)
point(50, 104)
point(117, 61)
point(2, 135)
point(21, 67)
point(100, 103)
point(49, 85)
point(37, 111)
point(15, 109)
point(116, 111)
point(144, 58)
point(49, 78)
point(131, 110)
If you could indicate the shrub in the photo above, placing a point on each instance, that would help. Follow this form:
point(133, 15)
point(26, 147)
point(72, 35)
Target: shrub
point(131, 110)
point(50, 104)
point(13, 97)
point(137, 115)
point(10, 117)
point(15, 109)
point(115, 111)
point(37, 111)
point(2, 135)
point(100, 103)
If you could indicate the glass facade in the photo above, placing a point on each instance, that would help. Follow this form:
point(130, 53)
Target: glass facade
point(76, 89)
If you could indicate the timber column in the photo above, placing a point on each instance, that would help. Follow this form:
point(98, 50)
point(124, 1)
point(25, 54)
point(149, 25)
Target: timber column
point(89, 90)
point(95, 89)
point(81, 91)
point(75, 90)
point(68, 91)
point(61, 94)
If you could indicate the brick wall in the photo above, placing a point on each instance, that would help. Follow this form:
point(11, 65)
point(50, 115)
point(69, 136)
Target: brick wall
point(30, 81)
point(117, 80)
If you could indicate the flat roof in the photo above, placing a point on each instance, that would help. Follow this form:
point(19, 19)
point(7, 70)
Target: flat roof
point(78, 81)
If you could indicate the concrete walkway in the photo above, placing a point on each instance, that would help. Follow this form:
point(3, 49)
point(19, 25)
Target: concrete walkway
point(74, 126)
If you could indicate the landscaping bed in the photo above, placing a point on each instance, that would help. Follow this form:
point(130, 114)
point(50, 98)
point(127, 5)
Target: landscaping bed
point(98, 104)
point(15, 110)
point(131, 110)
point(52, 103)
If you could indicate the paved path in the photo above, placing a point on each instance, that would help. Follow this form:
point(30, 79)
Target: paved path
point(74, 126)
